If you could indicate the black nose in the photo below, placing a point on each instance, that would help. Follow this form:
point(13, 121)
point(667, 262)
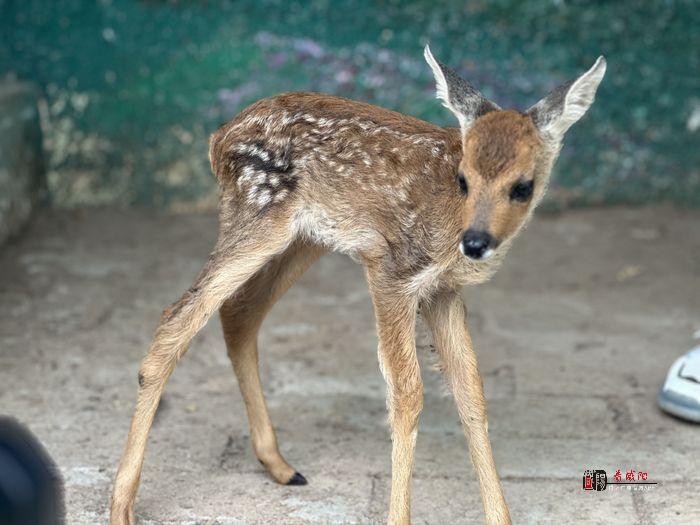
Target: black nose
point(475, 243)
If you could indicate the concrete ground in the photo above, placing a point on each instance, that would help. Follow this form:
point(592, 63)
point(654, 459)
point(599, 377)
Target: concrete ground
point(574, 336)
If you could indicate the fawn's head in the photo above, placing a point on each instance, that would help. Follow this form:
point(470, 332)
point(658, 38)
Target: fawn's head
point(507, 155)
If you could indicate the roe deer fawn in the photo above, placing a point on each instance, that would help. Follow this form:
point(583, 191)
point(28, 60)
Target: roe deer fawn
point(425, 210)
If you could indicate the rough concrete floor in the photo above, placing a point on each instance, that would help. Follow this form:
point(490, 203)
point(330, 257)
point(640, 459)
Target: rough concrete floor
point(574, 336)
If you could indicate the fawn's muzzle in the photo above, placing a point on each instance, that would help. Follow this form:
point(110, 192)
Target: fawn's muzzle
point(477, 244)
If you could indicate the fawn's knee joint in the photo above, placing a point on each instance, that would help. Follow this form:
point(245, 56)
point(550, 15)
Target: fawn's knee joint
point(412, 395)
point(407, 405)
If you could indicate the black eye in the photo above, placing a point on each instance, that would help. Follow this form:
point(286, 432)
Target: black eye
point(462, 183)
point(522, 191)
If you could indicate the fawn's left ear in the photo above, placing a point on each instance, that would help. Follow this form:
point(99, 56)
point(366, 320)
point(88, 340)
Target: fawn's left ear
point(457, 94)
point(559, 110)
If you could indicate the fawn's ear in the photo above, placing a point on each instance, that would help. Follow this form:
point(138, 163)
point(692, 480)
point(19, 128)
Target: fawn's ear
point(559, 110)
point(457, 94)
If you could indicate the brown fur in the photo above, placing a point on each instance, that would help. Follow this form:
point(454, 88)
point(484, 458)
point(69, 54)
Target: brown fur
point(304, 173)
point(499, 142)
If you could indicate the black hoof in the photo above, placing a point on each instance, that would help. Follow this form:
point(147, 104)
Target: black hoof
point(297, 479)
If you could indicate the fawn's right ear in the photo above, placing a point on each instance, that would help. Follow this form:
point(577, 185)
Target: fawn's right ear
point(457, 94)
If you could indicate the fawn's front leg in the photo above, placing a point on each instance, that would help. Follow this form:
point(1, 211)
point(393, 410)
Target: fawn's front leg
point(446, 316)
point(396, 318)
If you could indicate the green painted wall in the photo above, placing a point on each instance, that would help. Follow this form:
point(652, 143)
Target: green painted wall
point(135, 87)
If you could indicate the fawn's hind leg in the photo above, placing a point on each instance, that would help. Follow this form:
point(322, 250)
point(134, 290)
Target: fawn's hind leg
point(229, 267)
point(241, 317)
